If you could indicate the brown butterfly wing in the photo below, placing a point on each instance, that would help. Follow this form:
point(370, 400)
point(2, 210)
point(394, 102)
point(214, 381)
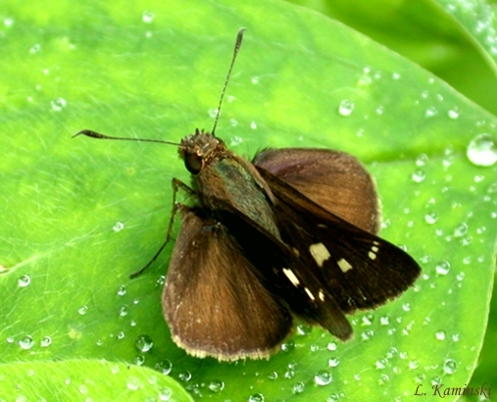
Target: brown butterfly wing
point(212, 300)
point(334, 180)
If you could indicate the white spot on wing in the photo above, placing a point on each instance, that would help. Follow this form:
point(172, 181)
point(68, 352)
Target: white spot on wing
point(309, 293)
point(372, 254)
point(320, 253)
point(321, 295)
point(344, 265)
point(290, 275)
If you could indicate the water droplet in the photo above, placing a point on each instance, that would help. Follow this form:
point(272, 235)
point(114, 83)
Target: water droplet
point(322, 378)
point(460, 276)
point(304, 329)
point(431, 111)
point(83, 389)
point(367, 320)
point(381, 364)
point(8, 22)
point(165, 367)
point(139, 360)
point(453, 113)
point(288, 346)
point(26, 343)
point(235, 140)
point(346, 107)
point(383, 379)
point(118, 227)
point(36, 48)
point(160, 281)
point(144, 343)
point(83, 310)
point(133, 383)
point(380, 110)
point(298, 388)
point(431, 218)
point(58, 104)
point(123, 312)
point(148, 17)
point(456, 337)
point(121, 291)
point(253, 125)
point(385, 320)
point(482, 150)
point(165, 394)
point(333, 362)
point(367, 335)
point(24, 281)
point(406, 307)
point(120, 335)
point(418, 176)
point(421, 160)
point(332, 346)
point(450, 366)
point(440, 335)
point(216, 386)
point(395, 76)
point(413, 364)
point(443, 268)
point(185, 376)
point(256, 398)
point(46, 341)
point(461, 230)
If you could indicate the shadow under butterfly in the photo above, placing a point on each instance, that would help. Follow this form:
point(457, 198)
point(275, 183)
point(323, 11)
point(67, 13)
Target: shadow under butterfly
point(291, 233)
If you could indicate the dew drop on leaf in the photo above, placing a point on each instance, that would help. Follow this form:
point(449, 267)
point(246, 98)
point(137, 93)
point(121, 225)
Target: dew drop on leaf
point(24, 281)
point(26, 343)
point(346, 107)
point(322, 378)
point(450, 366)
point(144, 343)
point(482, 150)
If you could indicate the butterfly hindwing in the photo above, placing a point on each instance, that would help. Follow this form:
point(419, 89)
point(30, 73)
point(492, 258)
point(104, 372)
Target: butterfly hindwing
point(334, 180)
point(212, 300)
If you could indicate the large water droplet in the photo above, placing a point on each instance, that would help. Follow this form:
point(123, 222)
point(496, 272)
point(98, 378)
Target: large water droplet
point(144, 343)
point(440, 335)
point(482, 150)
point(346, 107)
point(431, 218)
point(461, 230)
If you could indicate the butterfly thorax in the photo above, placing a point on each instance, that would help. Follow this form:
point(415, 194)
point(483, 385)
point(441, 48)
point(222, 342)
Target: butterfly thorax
point(220, 178)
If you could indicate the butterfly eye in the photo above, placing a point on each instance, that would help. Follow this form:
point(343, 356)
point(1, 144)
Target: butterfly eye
point(194, 163)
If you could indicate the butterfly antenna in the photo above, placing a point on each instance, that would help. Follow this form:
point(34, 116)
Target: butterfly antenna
point(238, 44)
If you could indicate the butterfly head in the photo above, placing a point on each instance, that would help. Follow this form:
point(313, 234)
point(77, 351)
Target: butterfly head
point(199, 149)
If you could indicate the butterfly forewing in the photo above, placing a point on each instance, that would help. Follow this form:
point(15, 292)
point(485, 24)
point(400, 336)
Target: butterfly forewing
point(359, 269)
point(212, 300)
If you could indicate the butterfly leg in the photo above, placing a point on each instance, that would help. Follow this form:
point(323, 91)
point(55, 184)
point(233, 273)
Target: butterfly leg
point(177, 184)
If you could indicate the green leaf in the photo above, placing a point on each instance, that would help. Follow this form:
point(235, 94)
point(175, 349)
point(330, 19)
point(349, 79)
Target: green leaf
point(79, 216)
point(64, 381)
